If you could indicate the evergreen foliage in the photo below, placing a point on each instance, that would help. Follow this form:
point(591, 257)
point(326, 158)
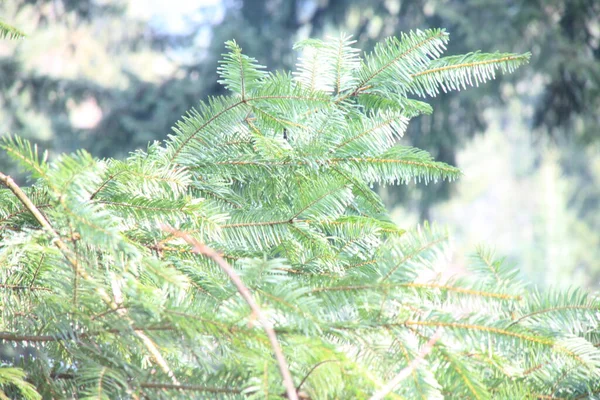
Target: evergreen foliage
point(8, 31)
point(103, 294)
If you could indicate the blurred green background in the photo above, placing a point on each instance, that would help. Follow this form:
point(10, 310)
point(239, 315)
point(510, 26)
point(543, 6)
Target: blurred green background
point(111, 75)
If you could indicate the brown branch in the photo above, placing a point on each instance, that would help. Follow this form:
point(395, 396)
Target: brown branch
point(201, 248)
point(14, 337)
point(106, 182)
point(18, 287)
point(163, 386)
point(197, 388)
point(37, 270)
point(72, 259)
point(317, 365)
point(405, 373)
point(265, 223)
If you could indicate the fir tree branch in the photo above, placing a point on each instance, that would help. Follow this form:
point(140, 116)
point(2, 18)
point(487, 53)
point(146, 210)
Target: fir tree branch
point(411, 255)
point(22, 211)
point(280, 121)
point(165, 386)
point(501, 296)
point(448, 288)
point(12, 185)
point(106, 182)
point(62, 246)
point(489, 264)
point(13, 337)
point(262, 223)
point(482, 328)
point(192, 388)
point(317, 365)
point(315, 201)
point(233, 106)
point(380, 124)
point(339, 161)
point(545, 341)
point(8, 31)
point(467, 65)
point(19, 287)
point(245, 293)
point(363, 84)
point(205, 124)
point(37, 270)
point(405, 373)
point(336, 161)
point(553, 309)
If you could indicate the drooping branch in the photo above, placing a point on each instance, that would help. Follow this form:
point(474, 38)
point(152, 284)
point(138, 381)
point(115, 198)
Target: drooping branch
point(201, 248)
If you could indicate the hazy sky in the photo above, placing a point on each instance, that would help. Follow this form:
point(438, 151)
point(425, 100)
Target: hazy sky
point(175, 16)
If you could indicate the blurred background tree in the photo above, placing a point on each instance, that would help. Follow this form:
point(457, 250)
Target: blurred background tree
point(110, 75)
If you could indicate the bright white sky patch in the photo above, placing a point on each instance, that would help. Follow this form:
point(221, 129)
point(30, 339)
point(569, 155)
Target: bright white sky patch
point(177, 16)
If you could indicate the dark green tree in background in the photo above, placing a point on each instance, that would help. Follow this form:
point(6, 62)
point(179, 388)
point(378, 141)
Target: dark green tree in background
point(105, 60)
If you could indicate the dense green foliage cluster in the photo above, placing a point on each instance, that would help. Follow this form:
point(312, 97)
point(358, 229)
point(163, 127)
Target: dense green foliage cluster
point(109, 76)
point(105, 301)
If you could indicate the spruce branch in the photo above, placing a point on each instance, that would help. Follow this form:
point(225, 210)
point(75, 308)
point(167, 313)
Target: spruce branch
point(245, 293)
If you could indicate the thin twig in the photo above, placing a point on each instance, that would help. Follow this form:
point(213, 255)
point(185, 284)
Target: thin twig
point(317, 365)
point(68, 254)
point(37, 270)
point(405, 373)
point(201, 248)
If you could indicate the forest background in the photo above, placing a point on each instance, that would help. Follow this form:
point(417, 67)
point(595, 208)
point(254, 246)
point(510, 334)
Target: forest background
point(112, 75)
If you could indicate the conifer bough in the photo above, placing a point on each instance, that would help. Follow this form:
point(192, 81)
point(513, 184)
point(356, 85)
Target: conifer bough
point(99, 300)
